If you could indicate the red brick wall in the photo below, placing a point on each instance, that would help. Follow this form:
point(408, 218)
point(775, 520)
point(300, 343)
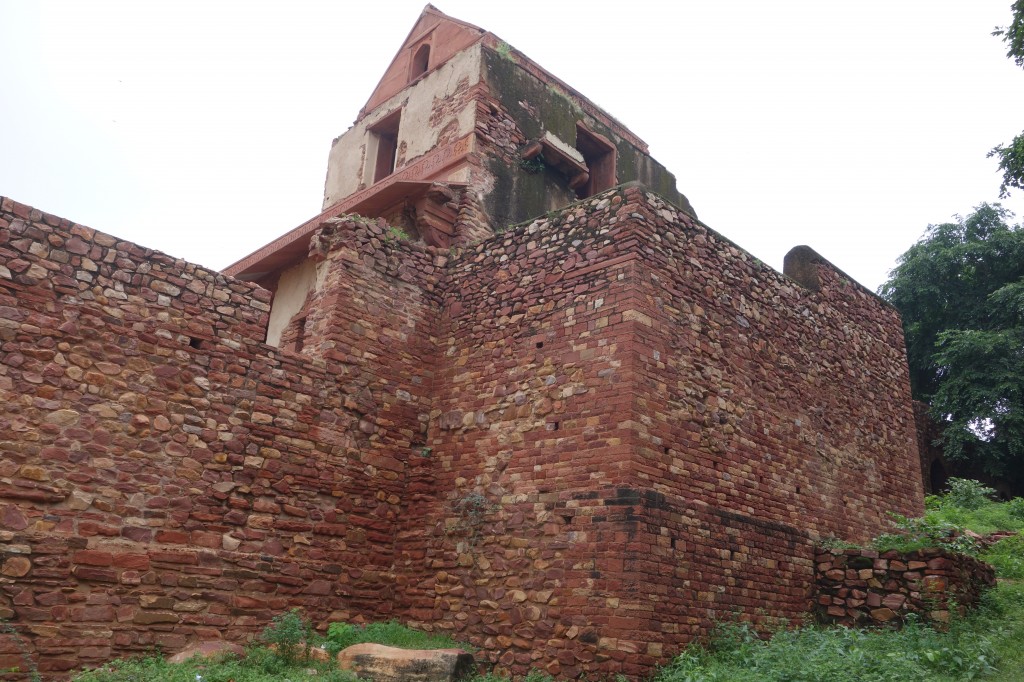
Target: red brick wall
point(574, 443)
point(164, 475)
point(702, 440)
point(759, 396)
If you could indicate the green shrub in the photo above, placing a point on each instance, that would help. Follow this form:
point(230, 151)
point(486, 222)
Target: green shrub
point(986, 518)
point(290, 635)
point(917, 653)
point(914, 534)
point(259, 665)
point(966, 493)
point(391, 633)
point(1015, 508)
point(1007, 557)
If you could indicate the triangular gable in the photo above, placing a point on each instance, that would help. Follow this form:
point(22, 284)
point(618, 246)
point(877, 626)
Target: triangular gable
point(444, 37)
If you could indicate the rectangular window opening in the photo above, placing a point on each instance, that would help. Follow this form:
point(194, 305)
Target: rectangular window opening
point(385, 135)
point(599, 155)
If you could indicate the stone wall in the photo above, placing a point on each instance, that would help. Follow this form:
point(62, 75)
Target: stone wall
point(641, 431)
point(864, 587)
point(765, 396)
point(574, 444)
point(165, 476)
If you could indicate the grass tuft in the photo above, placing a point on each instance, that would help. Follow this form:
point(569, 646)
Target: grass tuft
point(391, 633)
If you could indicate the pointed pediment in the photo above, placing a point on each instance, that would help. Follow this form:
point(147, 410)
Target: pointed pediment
point(433, 40)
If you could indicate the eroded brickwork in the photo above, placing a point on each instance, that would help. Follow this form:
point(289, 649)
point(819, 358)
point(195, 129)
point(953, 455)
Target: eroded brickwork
point(864, 587)
point(574, 443)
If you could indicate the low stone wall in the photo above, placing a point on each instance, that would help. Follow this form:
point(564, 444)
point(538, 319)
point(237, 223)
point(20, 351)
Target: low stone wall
point(865, 587)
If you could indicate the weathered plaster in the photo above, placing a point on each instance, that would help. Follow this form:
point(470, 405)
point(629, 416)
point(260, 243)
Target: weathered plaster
point(293, 289)
point(352, 156)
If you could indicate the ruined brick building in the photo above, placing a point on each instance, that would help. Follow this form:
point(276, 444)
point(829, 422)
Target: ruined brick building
point(524, 396)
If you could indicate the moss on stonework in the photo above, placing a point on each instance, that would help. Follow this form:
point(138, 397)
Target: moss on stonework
point(518, 195)
point(634, 165)
point(512, 85)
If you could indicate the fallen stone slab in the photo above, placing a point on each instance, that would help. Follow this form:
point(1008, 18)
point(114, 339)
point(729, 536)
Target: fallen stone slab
point(390, 664)
point(207, 649)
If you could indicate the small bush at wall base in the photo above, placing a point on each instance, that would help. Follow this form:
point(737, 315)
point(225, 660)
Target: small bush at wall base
point(259, 665)
point(917, 653)
point(290, 635)
point(391, 633)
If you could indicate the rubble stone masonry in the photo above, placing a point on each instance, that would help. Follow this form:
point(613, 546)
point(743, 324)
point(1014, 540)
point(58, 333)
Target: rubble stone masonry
point(573, 444)
point(859, 587)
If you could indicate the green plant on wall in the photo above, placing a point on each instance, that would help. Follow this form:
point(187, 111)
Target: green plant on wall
point(534, 165)
point(396, 234)
point(31, 672)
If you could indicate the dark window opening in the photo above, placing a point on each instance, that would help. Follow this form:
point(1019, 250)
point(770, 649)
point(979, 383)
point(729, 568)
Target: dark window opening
point(420, 62)
point(599, 155)
point(386, 135)
point(540, 344)
point(195, 343)
point(937, 476)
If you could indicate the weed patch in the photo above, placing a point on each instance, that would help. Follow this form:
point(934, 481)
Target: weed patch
point(391, 633)
point(259, 665)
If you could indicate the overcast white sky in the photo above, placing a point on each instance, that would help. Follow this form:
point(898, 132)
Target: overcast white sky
point(202, 128)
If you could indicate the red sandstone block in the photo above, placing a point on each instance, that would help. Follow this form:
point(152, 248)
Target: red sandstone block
point(93, 558)
point(132, 561)
point(172, 536)
point(97, 574)
point(101, 614)
point(206, 539)
point(175, 557)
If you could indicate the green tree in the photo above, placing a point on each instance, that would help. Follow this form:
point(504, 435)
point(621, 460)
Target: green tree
point(960, 290)
point(1011, 156)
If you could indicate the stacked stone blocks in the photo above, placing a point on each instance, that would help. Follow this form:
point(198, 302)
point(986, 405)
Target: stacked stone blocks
point(865, 587)
point(574, 444)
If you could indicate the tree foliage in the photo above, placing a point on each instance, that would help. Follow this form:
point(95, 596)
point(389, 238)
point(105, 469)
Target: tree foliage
point(1013, 35)
point(1011, 156)
point(960, 290)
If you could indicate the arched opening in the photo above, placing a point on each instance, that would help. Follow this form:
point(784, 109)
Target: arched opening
point(937, 477)
point(420, 62)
